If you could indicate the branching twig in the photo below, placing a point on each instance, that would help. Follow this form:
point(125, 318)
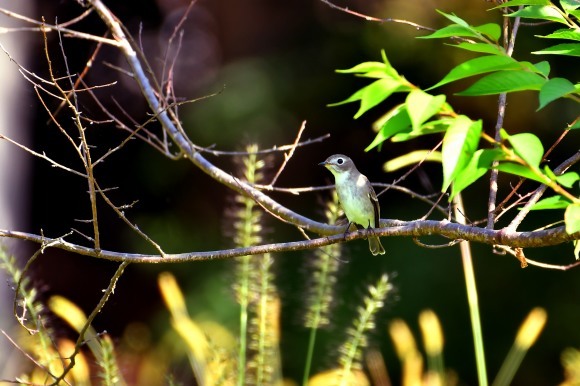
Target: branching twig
point(81, 339)
point(540, 191)
point(288, 155)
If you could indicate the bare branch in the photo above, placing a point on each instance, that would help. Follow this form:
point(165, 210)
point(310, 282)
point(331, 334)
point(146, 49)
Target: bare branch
point(389, 228)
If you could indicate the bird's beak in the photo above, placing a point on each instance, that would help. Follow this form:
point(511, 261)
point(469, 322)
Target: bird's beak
point(322, 163)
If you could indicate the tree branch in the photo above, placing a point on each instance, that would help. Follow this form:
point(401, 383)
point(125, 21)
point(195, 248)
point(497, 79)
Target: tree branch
point(391, 228)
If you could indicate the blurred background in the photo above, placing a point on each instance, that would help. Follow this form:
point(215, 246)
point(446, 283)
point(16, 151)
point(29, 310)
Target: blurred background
point(272, 65)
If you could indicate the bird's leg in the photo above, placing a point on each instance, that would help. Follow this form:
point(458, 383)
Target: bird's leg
point(371, 230)
point(346, 231)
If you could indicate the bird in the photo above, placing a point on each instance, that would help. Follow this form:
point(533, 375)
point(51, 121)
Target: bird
point(357, 197)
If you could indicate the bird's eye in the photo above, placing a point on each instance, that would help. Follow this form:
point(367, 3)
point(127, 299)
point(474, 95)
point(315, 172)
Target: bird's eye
point(340, 161)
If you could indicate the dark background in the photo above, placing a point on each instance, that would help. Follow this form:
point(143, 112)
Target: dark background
point(273, 65)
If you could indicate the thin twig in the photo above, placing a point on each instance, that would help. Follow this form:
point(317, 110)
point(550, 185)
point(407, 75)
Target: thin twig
point(81, 339)
point(288, 155)
point(540, 191)
point(372, 18)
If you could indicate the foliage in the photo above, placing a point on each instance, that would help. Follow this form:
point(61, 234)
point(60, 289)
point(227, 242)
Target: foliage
point(463, 157)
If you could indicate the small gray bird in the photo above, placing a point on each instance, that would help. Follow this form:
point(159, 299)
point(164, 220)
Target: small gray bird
point(357, 197)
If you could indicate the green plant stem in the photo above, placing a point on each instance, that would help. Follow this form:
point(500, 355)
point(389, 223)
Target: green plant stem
point(309, 355)
point(510, 366)
point(243, 323)
point(472, 299)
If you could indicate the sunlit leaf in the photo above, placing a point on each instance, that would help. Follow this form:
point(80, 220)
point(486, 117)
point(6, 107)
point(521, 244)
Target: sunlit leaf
point(568, 34)
point(484, 48)
point(491, 30)
point(516, 3)
point(542, 68)
point(553, 89)
point(572, 218)
point(454, 18)
point(505, 81)
point(568, 179)
point(554, 202)
point(567, 49)
point(430, 127)
point(570, 5)
point(451, 31)
point(528, 147)
point(542, 12)
point(478, 165)
point(372, 95)
point(478, 66)
point(396, 121)
point(520, 170)
point(422, 106)
point(459, 145)
point(364, 67)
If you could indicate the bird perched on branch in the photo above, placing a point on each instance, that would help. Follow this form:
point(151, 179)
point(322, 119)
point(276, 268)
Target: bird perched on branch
point(357, 197)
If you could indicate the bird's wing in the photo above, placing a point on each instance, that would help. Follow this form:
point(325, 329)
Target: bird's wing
point(375, 202)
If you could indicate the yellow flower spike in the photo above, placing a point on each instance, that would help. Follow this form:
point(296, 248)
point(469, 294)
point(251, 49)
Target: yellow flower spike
point(407, 352)
point(80, 372)
point(189, 331)
point(68, 311)
point(531, 328)
point(76, 318)
point(402, 338)
point(333, 377)
point(526, 337)
point(433, 342)
point(172, 295)
point(432, 333)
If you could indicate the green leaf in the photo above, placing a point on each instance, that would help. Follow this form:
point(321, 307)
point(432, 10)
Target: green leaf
point(576, 125)
point(519, 170)
point(396, 121)
point(567, 49)
point(372, 95)
point(543, 12)
point(454, 18)
point(412, 158)
point(478, 165)
point(452, 30)
point(422, 106)
point(516, 3)
point(549, 173)
point(491, 30)
point(528, 147)
point(430, 127)
point(364, 67)
point(570, 5)
point(542, 68)
point(572, 218)
point(568, 179)
point(553, 89)
point(554, 202)
point(568, 34)
point(484, 48)
point(505, 81)
point(478, 66)
point(459, 145)
point(389, 69)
